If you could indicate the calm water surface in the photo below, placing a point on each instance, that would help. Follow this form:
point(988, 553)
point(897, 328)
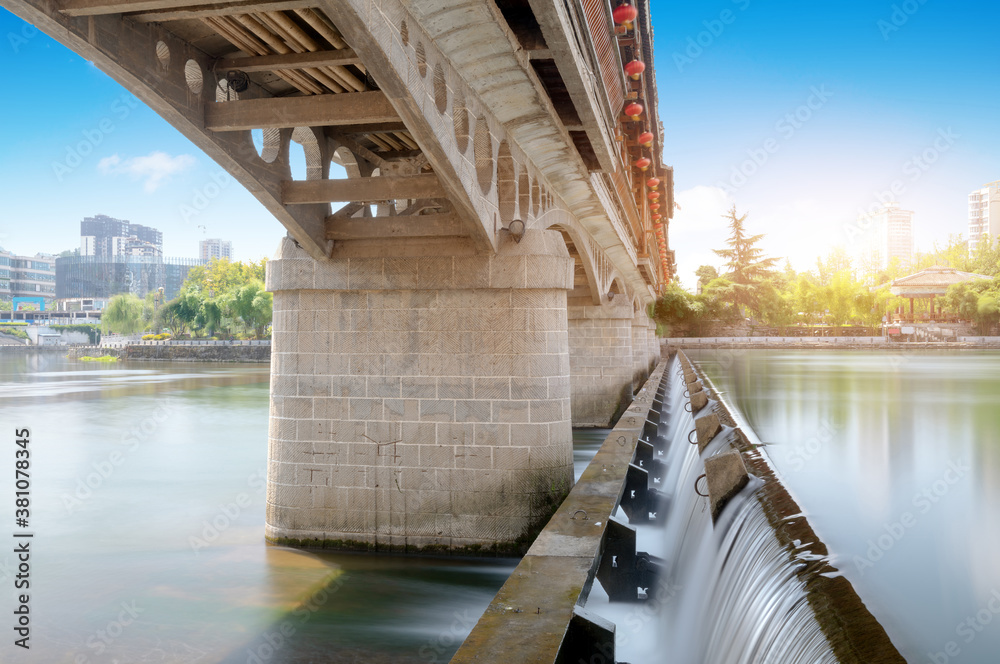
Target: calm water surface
point(896, 460)
point(148, 513)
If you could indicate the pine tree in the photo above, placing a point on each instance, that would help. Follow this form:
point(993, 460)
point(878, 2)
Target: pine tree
point(748, 267)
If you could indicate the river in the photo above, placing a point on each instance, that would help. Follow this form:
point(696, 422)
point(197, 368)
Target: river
point(147, 508)
point(895, 458)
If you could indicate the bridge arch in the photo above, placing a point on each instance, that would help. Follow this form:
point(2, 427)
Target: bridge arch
point(594, 276)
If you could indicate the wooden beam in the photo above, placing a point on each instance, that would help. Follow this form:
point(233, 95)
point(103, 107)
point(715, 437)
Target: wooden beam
point(219, 9)
point(290, 61)
point(184, 7)
point(340, 110)
point(362, 190)
point(423, 225)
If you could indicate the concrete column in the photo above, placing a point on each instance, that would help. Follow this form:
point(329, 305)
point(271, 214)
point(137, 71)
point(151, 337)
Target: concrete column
point(654, 345)
point(640, 350)
point(421, 402)
point(600, 359)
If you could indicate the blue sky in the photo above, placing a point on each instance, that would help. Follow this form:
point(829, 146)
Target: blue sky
point(799, 112)
point(909, 95)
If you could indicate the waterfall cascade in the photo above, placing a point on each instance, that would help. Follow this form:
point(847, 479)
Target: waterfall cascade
point(755, 585)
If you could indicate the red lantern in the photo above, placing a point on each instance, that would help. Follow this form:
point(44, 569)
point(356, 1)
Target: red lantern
point(624, 14)
point(654, 207)
point(634, 110)
point(646, 139)
point(642, 163)
point(635, 69)
point(657, 216)
point(659, 227)
point(653, 183)
point(653, 195)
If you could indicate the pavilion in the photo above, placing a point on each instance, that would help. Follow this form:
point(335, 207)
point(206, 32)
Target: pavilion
point(930, 283)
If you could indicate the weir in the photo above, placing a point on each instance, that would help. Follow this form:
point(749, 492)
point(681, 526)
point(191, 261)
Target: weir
point(733, 572)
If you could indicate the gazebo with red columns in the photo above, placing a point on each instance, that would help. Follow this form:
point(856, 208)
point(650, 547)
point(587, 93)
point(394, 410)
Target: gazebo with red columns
point(930, 283)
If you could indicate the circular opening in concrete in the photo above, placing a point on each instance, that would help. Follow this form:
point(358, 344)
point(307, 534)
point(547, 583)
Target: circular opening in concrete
point(304, 155)
point(267, 142)
point(460, 118)
point(223, 92)
point(440, 90)
point(482, 147)
point(421, 59)
point(163, 54)
point(193, 76)
point(506, 184)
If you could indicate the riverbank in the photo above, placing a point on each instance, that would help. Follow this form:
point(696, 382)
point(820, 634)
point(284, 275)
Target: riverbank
point(866, 343)
point(243, 352)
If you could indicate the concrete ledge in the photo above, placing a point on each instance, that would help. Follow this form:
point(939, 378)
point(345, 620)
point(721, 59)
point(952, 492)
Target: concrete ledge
point(537, 262)
point(531, 617)
point(726, 476)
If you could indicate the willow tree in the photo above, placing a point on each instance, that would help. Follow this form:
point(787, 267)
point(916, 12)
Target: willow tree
point(747, 265)
point(123, 315)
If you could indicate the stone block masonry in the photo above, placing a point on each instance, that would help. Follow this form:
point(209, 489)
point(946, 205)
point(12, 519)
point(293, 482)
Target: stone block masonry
point(420, 402)
point(600, 343)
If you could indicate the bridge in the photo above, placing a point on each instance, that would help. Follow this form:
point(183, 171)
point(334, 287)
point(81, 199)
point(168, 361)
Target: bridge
point(478, 282)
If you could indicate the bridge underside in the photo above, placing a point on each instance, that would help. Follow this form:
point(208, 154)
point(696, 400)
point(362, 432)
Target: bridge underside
point(473, 288)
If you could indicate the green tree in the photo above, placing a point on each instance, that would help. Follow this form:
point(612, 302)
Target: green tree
point(253, 305)
point(746, 263)
point(123, 315)
point(705, 274)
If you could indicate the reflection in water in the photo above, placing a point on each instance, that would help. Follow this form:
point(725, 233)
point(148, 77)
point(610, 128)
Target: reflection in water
point(896, 459)
point(148, 509)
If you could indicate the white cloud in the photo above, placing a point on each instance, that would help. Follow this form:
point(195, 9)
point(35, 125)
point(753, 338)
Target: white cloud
point(153, 169)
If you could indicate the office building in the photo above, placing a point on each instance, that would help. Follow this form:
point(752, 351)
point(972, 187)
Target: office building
point(97, 277)
point(27, 276)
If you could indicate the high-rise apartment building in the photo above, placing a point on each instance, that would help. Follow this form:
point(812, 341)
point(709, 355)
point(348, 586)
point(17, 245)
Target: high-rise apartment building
point(215, 248)
point(885, 234)
point(106, 237)
point(984, 213)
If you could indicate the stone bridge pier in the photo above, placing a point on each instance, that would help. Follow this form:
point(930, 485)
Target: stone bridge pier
point(601, 362)
point(420, 401)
